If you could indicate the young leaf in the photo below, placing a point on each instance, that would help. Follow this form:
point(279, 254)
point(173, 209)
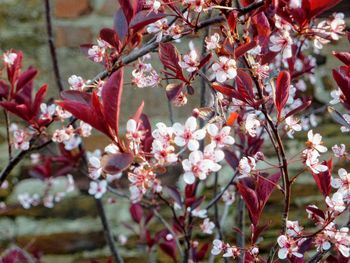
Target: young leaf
point(129, 8)
point(116, 163)
point(143, 19)
point(136, 212)
point(251, 200)
point(282, 91)
point(170, 58)
point(323, 179)
point(111, 97)
point(120, 24)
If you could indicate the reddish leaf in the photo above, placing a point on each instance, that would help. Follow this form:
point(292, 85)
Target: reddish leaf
point(136, 212)
point(244, 48)
point(169, 247)
point(39, 97)
point(26, 77)
point(323, 179)
point(317, 213)
point(244, 85)
point(265, 187)
point(251, 200)
point(342, 77)
point(298, 109)
point(111, 37)
point(173, 90)
point(204, 61)
point(4, 89)
point(116, 163)
point(120, 24)
point(144, 18)
point(343, 56)
point(174, 194)
point(282, 91)
point(319, 6)
point(111, 97)
point(129, 8)
point(138, 112)
point(200, 255)
point(79, 104)
point(170, 58)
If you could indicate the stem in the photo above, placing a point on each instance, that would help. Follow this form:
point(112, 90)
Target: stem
point(108, 232)
point(7, 123)
point(52, 46)
point(240, 226)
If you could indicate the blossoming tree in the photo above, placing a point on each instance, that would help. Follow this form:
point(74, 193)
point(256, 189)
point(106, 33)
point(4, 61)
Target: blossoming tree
point(254, 61)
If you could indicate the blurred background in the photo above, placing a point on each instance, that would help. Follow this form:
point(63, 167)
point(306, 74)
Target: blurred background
point(71, 231)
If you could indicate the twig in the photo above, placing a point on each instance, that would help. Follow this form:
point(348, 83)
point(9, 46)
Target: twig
point(108, 232)
point(240, 226)
point(219, 195)
point(165, 223)
point(7, 123)
point(52, 45)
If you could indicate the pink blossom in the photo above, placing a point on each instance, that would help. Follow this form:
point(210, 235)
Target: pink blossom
point(252, 124)
point(76, 83)
point(195, 167)
point(336, 203)
point(281, 42)
point(246, 166)
point(224, 69)
point(188, 135)
point(339, 151)
point(315, 142)
point(98, 188)
point(220, 137)
point(190, 60)
point(207, 226)
point(212, 42)
point(288, 247)
point(9, 58)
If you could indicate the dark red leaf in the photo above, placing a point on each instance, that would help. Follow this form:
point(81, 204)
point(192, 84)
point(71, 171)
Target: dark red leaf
point(111, 97)
point(136, 212)
point(173, 90)
point(204, 61)
point(143, 19)
point(120, 24)
point(323, 179)
point(244, 85)
point(169, 247)
point(265, 187)
point(200, 255)
point(298, 109)
point(116, 163)
point(231, 159)
point(343, 57)
point(138, 112)
point(282, 91)
point(39, 97)
point(4, 89)
point(129, 8)
point(244, 48)
point(251, 200)
point(111, 37)
point(319, 6)
point(170, 58)
point(342, 77)
point(174, 194)
point(79, 104)
point(25, 78)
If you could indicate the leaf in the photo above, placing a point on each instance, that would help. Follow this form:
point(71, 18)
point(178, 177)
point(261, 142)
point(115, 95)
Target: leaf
point(319, 6)
point(144, 18)
point(138, 112)
point(111, 37)
point(174, 194)
point(111, 97)
point(136, 212)
point(129, 8)
point(343, 80)
point(323, 179)
point(79, 104)
point(173, 90)
point(343, 57)
point(251, 200)
point(26, 78)
point(337, 117)
point(298, 109)
point(282, 91)
point(170, 57)
point(169, 247)
point(244, 48)
point(231, 159)
point(116, 163)
point(265, 187)
point(4, 89)
point(120, 24)
point(244, 84)
point(39, 97)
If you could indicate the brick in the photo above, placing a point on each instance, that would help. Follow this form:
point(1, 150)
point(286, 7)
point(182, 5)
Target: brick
point(72, 8)
point(107, 7)
point(73, 36)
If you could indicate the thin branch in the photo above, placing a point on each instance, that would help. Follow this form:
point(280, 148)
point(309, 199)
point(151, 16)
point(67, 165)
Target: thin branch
point(165, 223)
point(7, 123)
point(52, 46)
point(108, 232)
